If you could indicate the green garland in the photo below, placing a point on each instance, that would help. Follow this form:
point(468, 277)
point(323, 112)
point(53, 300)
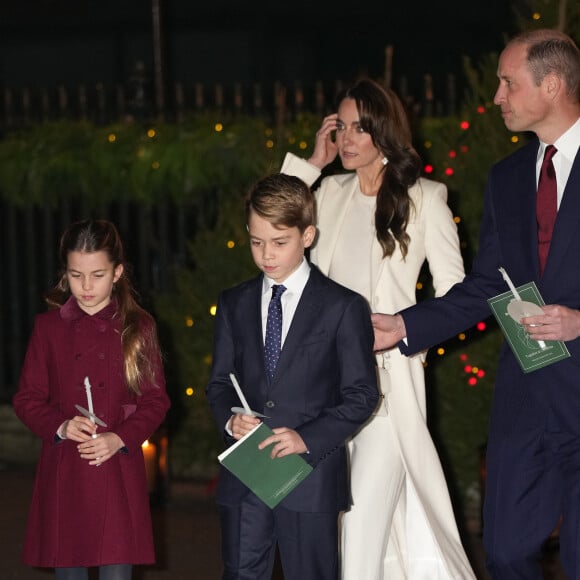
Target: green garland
point(45, 163)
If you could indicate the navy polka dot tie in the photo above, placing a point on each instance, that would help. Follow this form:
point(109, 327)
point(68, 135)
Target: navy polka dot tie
point(273, 341)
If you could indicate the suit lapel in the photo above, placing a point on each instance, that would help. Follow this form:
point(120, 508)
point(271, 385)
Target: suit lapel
point(526, 178)
point(514, 206)
point(308, 308)
point(252, 306)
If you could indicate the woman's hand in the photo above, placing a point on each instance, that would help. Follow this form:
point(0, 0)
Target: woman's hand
point(325, 149)
point(101, 448)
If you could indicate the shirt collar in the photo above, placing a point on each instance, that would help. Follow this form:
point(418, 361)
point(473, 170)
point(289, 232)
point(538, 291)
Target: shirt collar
point(294, 283)
point(567, 144)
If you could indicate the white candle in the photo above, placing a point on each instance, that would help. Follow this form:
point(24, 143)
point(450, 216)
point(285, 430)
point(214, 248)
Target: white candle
point(240, 394)
point(510, 284)
point(90, 402)
point(517, 296)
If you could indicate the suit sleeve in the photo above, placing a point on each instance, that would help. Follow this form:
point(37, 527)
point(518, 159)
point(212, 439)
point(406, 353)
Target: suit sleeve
point(219, 391)
point(357, 384)
point(434, 321)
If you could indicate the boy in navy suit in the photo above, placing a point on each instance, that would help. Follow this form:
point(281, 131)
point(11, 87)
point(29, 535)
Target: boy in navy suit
point(317, 387)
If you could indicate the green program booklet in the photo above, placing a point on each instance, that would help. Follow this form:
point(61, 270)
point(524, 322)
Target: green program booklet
point(531, 354)
point(270, 479)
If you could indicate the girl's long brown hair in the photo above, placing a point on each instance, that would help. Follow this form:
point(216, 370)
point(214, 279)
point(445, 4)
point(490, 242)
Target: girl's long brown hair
point(383, 117)
point(138, 330)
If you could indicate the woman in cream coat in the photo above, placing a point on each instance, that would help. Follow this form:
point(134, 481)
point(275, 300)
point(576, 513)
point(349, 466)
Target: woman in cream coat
point(401, 524)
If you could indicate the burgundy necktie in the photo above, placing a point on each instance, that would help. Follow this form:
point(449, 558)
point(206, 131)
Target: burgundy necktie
point(546, 205)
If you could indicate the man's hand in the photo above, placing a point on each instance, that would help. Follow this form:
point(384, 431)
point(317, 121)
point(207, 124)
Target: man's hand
point(557, 323)
point(241, 424)
point(389, 330)
point(286, 441)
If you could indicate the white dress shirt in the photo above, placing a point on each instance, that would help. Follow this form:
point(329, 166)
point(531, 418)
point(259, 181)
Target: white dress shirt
point(294, 284)
point(567, 146)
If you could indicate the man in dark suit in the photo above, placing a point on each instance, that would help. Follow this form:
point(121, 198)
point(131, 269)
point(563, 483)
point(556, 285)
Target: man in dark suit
point(315, 395)
point(533, 455)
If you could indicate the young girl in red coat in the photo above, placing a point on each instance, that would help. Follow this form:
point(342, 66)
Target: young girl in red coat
point(98, 349)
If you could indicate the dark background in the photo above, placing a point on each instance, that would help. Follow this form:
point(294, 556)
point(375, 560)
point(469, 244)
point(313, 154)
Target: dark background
point(50, 42)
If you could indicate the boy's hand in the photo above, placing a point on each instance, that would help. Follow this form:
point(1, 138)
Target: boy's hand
point(286, 441)
point(242, 424)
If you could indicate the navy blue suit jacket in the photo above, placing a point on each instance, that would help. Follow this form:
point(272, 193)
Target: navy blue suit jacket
point(324, 387)
point(508, 238)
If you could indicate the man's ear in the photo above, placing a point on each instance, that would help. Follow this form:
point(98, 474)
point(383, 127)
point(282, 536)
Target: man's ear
point(553, 85)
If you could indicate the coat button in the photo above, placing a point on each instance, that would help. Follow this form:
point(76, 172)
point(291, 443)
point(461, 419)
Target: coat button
point(270, 404)
point(101, 356)
point(78, 356)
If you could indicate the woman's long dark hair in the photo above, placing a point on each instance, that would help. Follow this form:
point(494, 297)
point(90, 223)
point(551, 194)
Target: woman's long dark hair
point(138, 332)
point(383, 117)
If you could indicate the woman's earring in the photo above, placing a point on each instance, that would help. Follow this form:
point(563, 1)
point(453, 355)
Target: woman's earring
point(384, 160)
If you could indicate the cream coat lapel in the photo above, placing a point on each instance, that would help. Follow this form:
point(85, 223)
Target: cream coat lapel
point(335, 197)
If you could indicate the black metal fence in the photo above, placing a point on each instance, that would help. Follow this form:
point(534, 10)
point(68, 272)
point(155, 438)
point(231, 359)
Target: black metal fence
point(102, 104)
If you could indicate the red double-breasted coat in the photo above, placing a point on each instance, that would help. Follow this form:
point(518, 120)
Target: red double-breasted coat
point(80, 514)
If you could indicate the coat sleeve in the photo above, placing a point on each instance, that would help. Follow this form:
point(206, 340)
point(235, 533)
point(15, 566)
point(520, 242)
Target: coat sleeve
point(34, 403)
point(465, 304)
point(142, 419)
point(298, 167)
point(441, 241)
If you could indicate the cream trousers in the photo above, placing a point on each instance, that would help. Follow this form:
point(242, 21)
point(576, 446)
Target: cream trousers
point(385, 535)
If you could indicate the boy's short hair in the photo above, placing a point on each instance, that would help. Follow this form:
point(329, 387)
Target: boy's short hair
point(283, 200)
